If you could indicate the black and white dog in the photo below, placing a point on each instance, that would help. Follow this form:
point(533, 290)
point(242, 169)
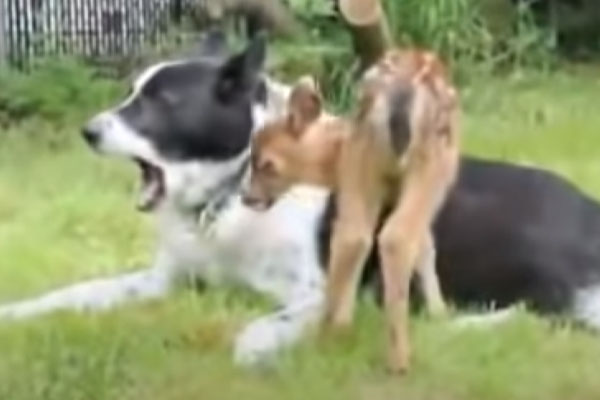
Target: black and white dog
point(507, 234)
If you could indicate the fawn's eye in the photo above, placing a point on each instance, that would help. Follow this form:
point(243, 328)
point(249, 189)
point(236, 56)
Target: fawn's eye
point(267, 167)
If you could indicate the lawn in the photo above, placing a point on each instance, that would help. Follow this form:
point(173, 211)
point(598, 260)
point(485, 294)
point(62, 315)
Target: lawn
point(66, 215)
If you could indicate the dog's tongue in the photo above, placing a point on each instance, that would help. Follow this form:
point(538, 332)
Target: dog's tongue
point(151, 191)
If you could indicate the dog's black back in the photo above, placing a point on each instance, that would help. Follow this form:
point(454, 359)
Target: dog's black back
point(508, 234)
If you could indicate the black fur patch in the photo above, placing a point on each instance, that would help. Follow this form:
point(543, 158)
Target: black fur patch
point(200, 109)
point(399, 123)
point(178, 111)
point(261, 92)
point(508, 234)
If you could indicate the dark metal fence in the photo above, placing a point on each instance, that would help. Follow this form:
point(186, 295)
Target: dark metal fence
point(91, 28)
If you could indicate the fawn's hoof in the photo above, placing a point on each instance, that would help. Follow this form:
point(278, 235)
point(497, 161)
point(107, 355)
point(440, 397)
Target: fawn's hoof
point(335, 329)
point(400, 369)
point(398, 363)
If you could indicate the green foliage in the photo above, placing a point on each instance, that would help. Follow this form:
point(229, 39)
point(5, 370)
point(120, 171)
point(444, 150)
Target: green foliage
point(474, 35)
point(477, 37)
point(308, 9)
point(331, 63)
point(57, 91)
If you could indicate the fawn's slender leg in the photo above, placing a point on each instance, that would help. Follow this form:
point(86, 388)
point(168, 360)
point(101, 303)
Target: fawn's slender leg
point(359, 200)
point(399, 250)
point(401, 241)
point(429, 282)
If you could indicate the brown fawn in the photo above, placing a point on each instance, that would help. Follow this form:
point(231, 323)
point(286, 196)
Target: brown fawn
point(400, 149)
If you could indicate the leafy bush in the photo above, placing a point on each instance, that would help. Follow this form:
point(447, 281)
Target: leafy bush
point(58, 91)
point(476, 37)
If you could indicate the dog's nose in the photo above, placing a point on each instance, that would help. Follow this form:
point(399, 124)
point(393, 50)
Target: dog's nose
point(91, 132)
point(90, 135)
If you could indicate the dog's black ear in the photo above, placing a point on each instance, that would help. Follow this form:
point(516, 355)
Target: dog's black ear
point(241, 72)
point(214, 43)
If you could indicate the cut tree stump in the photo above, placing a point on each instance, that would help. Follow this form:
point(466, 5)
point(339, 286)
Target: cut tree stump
point(369, 29)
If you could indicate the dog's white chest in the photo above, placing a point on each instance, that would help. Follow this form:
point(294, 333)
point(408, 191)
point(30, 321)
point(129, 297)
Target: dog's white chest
point(273, 252)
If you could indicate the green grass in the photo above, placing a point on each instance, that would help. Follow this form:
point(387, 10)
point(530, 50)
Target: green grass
point(66, 215)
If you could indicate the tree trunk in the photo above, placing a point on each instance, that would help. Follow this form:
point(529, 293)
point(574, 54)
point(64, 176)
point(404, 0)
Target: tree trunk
point(370, 32)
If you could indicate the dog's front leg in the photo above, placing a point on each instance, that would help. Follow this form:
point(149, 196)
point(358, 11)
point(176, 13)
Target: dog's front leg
point(99, 294)
point(264, 337)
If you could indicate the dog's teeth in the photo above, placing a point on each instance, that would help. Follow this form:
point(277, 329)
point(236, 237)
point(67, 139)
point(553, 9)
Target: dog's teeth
point(148, 195)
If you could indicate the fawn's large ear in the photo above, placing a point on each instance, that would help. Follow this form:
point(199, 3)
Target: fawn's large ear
point(241, 72)
point(304, 105)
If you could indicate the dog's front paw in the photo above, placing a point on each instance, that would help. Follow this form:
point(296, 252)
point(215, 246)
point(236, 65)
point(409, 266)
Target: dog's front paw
point(8, 313)
point(257, 344)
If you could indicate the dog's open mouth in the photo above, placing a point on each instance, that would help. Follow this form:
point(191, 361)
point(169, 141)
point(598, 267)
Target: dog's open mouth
point(152, 189)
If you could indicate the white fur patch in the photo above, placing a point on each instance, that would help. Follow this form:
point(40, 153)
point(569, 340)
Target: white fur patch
point(587, 306)
point(144, 78)
point(188, 183)
point(484, 320)
point(118, 139)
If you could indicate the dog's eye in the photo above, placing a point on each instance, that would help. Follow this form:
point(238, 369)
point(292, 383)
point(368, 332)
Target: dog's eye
point(169, 97)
